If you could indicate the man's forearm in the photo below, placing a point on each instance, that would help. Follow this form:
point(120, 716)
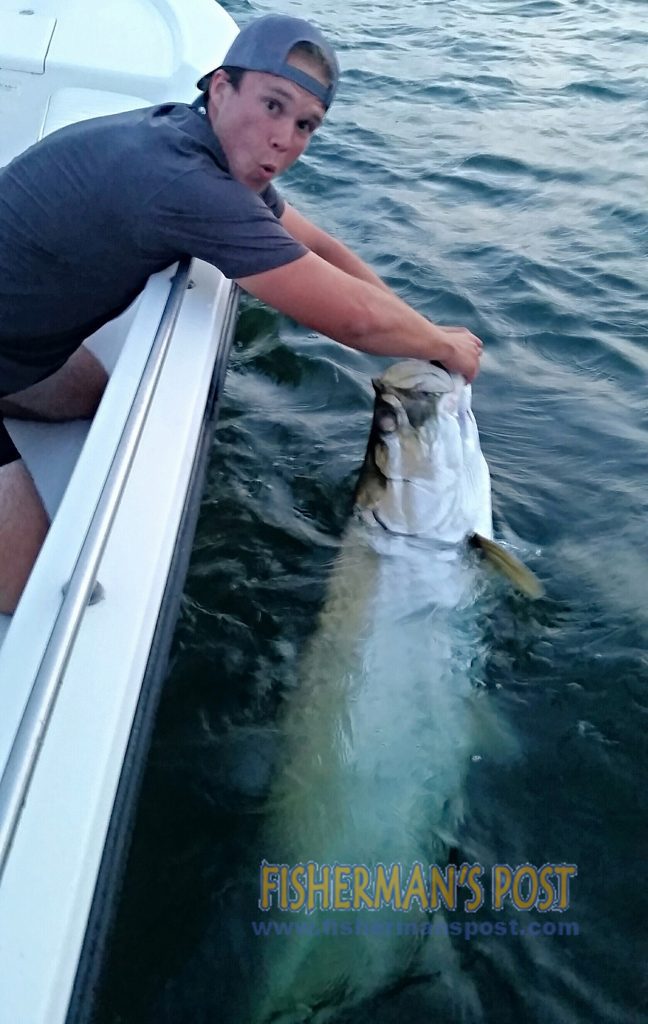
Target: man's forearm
point(329, 248)
point(336, 253)
point(385, 322)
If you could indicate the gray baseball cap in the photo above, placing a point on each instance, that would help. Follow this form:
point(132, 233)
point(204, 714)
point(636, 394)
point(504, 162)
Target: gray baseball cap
point(264, 45)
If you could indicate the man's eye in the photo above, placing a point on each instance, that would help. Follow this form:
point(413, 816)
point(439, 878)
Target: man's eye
point(306, 126)
point(273, 105)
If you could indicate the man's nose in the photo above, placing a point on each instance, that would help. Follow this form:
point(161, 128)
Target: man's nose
point(281, 136)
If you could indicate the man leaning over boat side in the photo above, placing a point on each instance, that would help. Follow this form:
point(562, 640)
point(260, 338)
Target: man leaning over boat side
point(91, 211)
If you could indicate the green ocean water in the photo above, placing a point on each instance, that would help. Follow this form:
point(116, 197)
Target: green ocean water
point(489, 159)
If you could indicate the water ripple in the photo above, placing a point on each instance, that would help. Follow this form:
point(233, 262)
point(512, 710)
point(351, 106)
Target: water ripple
point(488, 157)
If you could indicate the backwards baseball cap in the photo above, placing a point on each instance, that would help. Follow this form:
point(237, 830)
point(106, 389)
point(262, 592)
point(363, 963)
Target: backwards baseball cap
point(264, 45)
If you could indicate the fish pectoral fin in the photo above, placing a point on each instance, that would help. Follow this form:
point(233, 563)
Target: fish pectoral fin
point(515, 571)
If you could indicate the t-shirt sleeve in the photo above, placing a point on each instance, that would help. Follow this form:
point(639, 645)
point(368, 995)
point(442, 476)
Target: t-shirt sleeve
point(219, 220)
point(274, 200)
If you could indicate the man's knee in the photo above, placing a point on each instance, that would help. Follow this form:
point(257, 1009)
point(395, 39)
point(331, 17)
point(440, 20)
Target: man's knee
point(23, 527)
point(93, 379)
point(73, 392)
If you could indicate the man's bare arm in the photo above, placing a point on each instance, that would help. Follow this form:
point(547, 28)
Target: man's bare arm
point(356, 313)
point(324, 245)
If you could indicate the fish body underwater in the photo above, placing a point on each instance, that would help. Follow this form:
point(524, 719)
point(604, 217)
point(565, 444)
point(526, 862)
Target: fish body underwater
point(378, 736)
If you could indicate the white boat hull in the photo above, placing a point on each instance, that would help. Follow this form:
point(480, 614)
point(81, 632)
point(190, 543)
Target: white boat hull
point(70, 61)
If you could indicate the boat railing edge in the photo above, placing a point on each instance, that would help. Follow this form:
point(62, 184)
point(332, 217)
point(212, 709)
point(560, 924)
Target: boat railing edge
point(31, 731)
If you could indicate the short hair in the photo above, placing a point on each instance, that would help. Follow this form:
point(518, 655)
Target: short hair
point(235, 76)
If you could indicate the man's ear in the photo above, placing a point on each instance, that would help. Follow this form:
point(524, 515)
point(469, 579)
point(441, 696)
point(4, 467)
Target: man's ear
point(218, 83)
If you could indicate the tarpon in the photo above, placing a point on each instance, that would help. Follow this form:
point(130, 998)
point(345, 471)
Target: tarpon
point(377, 738)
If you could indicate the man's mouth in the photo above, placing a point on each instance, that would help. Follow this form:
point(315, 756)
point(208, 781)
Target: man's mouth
point(268, 169)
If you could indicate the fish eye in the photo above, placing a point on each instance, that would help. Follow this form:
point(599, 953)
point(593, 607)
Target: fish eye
point(387, 422)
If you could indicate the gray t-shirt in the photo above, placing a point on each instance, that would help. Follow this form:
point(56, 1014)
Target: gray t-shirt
point(88, 213)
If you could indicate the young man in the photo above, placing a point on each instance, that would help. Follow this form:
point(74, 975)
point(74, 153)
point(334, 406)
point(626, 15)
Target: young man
point(88, 213)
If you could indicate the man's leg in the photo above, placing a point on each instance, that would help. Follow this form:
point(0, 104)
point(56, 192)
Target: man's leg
point(23, 525)
point(73, 392)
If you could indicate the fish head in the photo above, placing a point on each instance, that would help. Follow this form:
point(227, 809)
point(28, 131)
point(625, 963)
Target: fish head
point(424, 473)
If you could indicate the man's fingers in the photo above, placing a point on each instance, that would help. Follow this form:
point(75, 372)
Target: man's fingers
point(451, 329)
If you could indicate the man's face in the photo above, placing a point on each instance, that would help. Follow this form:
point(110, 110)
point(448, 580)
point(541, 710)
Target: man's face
point(265, 125)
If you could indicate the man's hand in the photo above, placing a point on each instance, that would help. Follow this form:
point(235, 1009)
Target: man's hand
point(464, 351)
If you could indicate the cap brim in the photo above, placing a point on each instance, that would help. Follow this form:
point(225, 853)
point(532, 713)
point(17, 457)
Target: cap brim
point(203, 83)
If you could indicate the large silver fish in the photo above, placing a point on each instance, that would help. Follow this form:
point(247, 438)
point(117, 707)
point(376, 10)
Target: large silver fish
point(379, 735)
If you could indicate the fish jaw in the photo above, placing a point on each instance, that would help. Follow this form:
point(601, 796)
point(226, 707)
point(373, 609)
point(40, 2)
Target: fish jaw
point(424, 473)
